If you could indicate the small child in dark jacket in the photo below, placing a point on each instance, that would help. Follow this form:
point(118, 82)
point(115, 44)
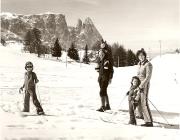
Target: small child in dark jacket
point(133, 98)
point(30, 80)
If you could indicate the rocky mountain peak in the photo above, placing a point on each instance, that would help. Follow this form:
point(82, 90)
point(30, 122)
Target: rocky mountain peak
point(79, 24)
point(52, 26)
point(88, 21)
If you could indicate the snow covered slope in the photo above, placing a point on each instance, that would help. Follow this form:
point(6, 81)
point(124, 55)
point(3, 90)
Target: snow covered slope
point(165, 87)
point(70, 97)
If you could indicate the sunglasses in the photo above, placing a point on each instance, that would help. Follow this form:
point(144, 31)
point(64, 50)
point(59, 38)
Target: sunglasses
point(29, 67)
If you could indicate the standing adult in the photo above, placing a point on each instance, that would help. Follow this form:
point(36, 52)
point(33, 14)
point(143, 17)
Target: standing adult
point(144, 74)
point(105, 69)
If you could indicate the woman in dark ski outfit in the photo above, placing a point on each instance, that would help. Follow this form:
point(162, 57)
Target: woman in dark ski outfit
point(105, 69)
point(144, 74)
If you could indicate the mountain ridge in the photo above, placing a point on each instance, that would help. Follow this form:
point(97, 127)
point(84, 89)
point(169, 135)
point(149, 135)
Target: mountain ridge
point(52, 26)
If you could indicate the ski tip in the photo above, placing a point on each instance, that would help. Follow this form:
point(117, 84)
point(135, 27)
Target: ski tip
point(41, 113)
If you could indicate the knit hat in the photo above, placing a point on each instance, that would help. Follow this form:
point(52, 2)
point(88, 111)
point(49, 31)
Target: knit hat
point(28, 64)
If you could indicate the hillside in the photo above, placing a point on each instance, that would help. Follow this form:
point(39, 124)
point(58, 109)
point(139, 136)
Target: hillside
point(69, 96)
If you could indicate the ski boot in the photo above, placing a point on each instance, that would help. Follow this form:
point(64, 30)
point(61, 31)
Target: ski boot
point(25, 110)
point(40, 111)
point(101, 109)
point(107, 107)
point(147, 124)
point(132, 122)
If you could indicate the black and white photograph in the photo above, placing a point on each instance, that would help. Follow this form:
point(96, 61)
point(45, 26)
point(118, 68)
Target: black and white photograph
point(90, 70)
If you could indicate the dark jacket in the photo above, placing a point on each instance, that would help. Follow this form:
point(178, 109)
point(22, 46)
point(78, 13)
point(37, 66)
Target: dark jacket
point(106, 64)
point(30, 79)
point(132, 93)
point(106, 69)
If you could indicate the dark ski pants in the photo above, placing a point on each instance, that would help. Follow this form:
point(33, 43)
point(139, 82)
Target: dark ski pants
point(132, 108)
point(31, 92)
point(103, 84)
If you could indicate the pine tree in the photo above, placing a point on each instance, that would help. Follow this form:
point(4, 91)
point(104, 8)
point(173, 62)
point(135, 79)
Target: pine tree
point(177, 50)
point(115, 54)
point(3, 42)
point(122, 56)
point(33, 41)
point(73, 52)
point(28, 42)
point(86, 58)
point(36, 34)
point(56, 50)
point(131, 58)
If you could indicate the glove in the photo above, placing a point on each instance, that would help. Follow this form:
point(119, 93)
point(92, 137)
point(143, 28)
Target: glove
point(139, 89)
point(21, 89)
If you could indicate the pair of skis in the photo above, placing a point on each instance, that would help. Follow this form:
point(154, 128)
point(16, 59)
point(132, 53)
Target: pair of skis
point(110, 119)
point(26, 114)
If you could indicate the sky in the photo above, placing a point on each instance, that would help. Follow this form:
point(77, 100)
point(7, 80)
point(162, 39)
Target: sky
point(117, 20)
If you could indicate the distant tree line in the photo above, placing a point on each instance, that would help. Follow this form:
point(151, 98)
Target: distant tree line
point(121, 56)
point(33, 44)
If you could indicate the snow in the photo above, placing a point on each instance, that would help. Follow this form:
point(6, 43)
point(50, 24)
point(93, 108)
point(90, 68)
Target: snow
point(165, 87)
point(82, 32)
point(69, 95)
point(8, 15)
point(48, 13)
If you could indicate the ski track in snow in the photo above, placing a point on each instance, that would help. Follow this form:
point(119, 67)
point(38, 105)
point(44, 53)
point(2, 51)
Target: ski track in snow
point(70, 97)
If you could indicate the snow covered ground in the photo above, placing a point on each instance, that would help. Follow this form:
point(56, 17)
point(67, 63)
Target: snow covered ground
point(69, 96)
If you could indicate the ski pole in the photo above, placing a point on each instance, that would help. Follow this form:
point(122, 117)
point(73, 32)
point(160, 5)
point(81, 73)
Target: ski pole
point(122, 101)
point(18, 102)
point(159, 112)
point(39, 95)
point(20, 92)
point(41, 103)
point(115, 113)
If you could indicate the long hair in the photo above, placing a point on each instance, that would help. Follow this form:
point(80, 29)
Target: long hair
point(141, 51)
point(137, 78)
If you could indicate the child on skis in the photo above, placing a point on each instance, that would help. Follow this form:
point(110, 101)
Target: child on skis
point(30, 80)
point(133, 98)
